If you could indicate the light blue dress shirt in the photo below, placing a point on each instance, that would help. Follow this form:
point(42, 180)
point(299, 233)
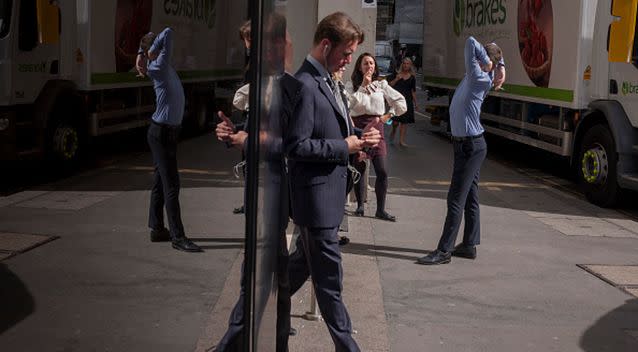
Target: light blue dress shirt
point(169, 93)
point(465, 109)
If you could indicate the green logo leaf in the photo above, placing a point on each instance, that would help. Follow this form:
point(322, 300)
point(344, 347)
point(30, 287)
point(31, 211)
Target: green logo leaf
point(458, 17)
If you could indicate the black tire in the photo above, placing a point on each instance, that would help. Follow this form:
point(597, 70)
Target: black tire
point(65, 143)
point(597, 167)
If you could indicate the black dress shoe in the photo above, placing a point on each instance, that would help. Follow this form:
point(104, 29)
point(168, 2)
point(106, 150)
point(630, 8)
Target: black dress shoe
point(343, 240)
point(160, 235)
point(464, 251)
point(385, 216)
point(239, 210)
point(186, 245)
point(359, 211)
point(435, 257)
point(292, 332)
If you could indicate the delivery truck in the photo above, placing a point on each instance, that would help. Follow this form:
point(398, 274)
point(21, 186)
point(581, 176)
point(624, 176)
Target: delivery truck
point(67, 68)
point(572, 79)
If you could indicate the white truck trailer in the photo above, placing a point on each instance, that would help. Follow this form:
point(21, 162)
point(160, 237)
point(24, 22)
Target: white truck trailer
point(572, 79)
point(67, 67)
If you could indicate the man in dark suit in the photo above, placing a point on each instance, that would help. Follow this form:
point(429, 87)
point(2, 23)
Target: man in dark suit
point(318, 143)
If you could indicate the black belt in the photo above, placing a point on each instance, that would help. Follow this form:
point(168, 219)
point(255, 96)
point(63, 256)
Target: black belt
point(468, 138)
point(163, 125)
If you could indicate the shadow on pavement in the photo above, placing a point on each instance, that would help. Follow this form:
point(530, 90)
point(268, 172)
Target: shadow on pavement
point(16, 302)
point(411, 254)
point(513, 176)
point(614, 331)
point(202, 161)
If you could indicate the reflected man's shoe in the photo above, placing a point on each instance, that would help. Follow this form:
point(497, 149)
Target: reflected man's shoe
point(359, 211)
point(239, 210)
point(186, 245)
point(464, 251)
point(160, 235)
point(383, 215)
point(343, 240)
point(435, 257)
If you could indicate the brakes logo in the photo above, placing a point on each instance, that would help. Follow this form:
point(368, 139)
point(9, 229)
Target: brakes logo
point(32, 68)
point(629, 88)
point(203, 11)
point(468, 14)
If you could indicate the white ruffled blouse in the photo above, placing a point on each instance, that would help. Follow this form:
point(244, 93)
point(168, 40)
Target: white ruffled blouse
point(370, 100)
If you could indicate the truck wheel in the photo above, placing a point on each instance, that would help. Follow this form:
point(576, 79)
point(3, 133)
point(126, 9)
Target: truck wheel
point(65, 143)
point(597, 167)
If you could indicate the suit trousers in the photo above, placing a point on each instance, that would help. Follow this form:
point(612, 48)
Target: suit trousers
point(318, 255)
point(162, 139)
point(233, 339)
point(463, 194)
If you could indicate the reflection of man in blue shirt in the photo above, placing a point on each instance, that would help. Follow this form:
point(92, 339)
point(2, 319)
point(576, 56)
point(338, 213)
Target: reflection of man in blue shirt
point(154, 60)
point(168, 88)
point(484, 68)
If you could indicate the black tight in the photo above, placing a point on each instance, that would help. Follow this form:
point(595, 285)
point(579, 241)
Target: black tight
point(380, 186)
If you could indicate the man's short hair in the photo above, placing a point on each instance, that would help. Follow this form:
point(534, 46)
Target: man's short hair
point(244, 31)
point(147, 41)
point(494, 52)
point(338, 28)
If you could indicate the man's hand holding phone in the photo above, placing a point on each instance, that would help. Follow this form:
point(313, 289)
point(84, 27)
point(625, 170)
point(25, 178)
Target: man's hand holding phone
point(370, 138)
point(225, 128)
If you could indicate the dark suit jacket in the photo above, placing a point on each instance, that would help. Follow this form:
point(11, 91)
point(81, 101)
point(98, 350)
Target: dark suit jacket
point(317, 153)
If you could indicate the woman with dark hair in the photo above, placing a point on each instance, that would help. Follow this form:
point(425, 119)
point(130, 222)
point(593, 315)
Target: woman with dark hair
point(367, 102)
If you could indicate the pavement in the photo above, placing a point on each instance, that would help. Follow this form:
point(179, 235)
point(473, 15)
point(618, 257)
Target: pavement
point(553, 273)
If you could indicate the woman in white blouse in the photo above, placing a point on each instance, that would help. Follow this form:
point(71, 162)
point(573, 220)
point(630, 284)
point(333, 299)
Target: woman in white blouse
point(367, 102)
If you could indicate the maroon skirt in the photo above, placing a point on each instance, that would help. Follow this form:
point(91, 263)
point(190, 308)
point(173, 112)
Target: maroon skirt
point(361, 122)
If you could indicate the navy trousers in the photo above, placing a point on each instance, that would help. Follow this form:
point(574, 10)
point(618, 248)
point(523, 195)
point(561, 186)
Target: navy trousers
point(463, 194)
point(318, 255)
point(233, 339)
point(162, 140)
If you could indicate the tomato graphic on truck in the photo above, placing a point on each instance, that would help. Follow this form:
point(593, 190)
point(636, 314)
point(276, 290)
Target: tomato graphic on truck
point(132, 21)
point(535, 36)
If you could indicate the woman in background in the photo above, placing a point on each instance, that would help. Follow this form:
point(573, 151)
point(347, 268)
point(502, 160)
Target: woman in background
point(367, 103)
point(405, 83)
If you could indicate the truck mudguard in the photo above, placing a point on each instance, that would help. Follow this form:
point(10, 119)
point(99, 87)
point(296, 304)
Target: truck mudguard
point(619, 126)
point(50, 95)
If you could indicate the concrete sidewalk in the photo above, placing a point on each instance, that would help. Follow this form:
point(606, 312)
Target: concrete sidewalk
point(554, 273)
point(524, 292)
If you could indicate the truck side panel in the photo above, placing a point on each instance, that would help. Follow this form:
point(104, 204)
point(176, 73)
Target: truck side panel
point(203, 49)
point(539, 45)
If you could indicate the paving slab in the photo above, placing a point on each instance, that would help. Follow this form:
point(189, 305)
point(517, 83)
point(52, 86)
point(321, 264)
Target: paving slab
point(66, 200)
point(618, 275)
point(20, 242)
